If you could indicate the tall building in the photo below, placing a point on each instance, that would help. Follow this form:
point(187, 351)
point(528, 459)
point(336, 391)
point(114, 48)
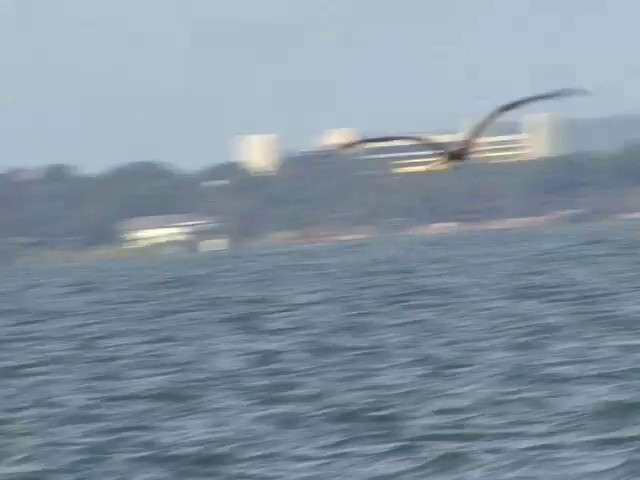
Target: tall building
point(258, 154)
point(544, 132)
point(337, 136)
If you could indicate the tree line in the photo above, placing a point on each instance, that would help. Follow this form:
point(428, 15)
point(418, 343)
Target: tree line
point(64, 206)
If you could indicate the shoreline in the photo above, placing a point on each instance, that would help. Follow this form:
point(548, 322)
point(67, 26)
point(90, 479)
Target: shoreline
point(439, 228)
point(560, 217)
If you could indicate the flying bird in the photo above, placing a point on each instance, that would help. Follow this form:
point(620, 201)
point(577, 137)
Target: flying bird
point(461, 151)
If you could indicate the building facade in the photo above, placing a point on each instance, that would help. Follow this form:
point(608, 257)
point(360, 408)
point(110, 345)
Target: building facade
point(183, 231)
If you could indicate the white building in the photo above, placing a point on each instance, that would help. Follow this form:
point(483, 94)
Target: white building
point(544, 135)
point(336, 136)
point(162, 230)
point(259, 154)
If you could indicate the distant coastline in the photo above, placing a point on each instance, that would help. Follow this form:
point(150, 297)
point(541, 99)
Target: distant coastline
point(61, 214)
point(91, 255)
point(429, 230)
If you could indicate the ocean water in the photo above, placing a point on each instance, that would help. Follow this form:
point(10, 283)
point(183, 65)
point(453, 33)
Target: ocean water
point(493, 355)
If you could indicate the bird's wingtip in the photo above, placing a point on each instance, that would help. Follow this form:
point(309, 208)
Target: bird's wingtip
point(575, 91)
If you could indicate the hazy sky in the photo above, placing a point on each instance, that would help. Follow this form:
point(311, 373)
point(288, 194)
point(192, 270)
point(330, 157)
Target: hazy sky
point(100, 82)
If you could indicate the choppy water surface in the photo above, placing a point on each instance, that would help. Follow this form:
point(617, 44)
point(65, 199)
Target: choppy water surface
point(500, 355)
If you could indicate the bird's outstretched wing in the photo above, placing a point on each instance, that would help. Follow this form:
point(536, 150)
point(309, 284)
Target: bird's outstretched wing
point(390, 138)
point(461, 151)
point(482, 125)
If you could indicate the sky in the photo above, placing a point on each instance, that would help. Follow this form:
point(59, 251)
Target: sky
point(97, 83)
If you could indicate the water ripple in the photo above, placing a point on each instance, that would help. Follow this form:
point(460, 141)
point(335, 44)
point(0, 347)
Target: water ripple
point(516, 357)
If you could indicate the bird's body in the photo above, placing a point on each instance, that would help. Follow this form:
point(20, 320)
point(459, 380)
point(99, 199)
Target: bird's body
point(460, 152)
